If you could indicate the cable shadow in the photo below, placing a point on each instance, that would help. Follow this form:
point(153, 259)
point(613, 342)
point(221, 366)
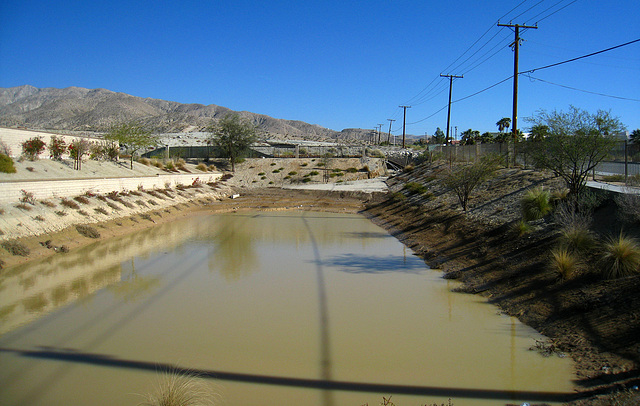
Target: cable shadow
point(321, 384)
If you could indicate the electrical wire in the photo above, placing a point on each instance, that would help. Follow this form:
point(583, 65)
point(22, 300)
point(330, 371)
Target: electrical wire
point(581, 57)
point(582, 90)
point(562, 8)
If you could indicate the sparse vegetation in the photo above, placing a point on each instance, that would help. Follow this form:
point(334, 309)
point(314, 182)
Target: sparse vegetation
point(6, 164)
point(536, 204)
point(564, 262)
point(16, 248)
point(87, 231)
point(462, 180)
point(415, 188)
point(620, 257)
point(81, 199)
point(69, 203)
point(181, 390)
point(33, 147)
point(101, 210)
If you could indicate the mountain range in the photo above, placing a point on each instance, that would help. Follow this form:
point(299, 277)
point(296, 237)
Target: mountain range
point(96, 110)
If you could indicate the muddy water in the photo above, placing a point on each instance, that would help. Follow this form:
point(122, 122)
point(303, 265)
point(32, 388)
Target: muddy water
point(267, 308)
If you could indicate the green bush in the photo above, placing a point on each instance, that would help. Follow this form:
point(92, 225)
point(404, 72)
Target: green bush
point(6, 164)
point(536, 204)
point(576, 238)
point(522, 227)
point(415, 188)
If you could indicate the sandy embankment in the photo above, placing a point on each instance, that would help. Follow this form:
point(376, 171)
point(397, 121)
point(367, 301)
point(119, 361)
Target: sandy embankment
point(47, 226)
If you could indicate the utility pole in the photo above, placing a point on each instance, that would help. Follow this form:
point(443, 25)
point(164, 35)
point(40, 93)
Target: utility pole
point(379, 132)
point(389, 137)
point(516, 48)
point(404, 123)
point(451, 77)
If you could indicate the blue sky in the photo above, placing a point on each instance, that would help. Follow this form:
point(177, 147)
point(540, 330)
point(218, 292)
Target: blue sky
point(338, 64)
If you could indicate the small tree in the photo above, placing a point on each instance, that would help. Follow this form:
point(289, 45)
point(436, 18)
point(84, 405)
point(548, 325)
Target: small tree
point(133, 136)
point(78, 148)
point(462, 180)
point(576, 142)
point(469, 137)
point(57, 147)
point(635, 136)
point(438, 137)
point(33, 147)
point(232, 135)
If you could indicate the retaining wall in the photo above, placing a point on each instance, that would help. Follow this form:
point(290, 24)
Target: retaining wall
point(10, 192)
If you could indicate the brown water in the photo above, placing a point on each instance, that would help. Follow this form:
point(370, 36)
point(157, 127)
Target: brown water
point(269, 309)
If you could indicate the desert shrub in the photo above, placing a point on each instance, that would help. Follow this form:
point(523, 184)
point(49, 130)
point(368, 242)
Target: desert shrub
point(202, 167)
point(576, 238)
point(398, 197)
point(81, 199)
point(415, 188)
point(48, 203)
point(152, 202)
point(181, 165)
point(272, 164)
point(620, 257)
point(564, 262)
point(100, 210)
point(113, 206)
point(158, 164)
point(97, 151)
point(135, 193)
point(16, 248)
point(57, 147)
point(276, 171)
point(87, 231)
point(4, 148)
point(27, 197)
point(306, 180)
point(38, 218)
point(144, 161)
point(408, 168)
point(146, 216)
point(462, 180)
point(170, 166)
point(304, 164)
point(33, 147)
point(313, 173)
point(61, 213)
point(536, 204)
point(352, 170)
point(141, 203)
point(521, 227)
point(83, 212)
point(261, 174)
point(23, 206)
point(292, 173)
point(68, 203)
point(558, 196)
point(6, 164)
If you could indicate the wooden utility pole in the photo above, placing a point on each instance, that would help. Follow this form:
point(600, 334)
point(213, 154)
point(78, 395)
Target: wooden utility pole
point(516, 48)
point(404, 123)
point(379, 132)
point(451, 77)
point(389, 137)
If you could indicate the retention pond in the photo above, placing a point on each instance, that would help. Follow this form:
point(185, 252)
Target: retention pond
point(267, 308)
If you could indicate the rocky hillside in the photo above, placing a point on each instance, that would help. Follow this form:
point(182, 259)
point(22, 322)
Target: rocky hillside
point(79, 109)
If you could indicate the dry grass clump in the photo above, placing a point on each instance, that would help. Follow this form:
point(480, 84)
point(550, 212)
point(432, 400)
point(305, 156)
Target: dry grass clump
point(113, 206)
point(202, 167)
point(61, 213)
point(158, 164)
point(620, 257)
point(536, 204)
point(565, 262)
point(23, 206)
point(180, 390)
point(16, 248)
point(144, 161)
point(87, 231)
point(522, 228)
point(68, 203)
point(81, 199)
point(48, 203)
point(577, 238)
point(101, 210)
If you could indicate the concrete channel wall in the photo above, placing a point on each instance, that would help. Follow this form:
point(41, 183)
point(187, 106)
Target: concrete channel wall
point(11, 192)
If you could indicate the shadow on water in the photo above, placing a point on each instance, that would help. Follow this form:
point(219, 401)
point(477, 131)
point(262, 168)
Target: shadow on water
point(352, 263)
point(67, 355)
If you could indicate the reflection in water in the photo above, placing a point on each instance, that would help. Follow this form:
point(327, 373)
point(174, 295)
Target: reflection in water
point(325, 311)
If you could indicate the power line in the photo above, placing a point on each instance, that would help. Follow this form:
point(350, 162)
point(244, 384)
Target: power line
point(581, 90)
point(562, 8)
point(582, 57)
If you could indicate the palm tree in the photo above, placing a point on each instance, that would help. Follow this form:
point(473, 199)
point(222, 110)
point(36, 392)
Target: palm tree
point(503, 124)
